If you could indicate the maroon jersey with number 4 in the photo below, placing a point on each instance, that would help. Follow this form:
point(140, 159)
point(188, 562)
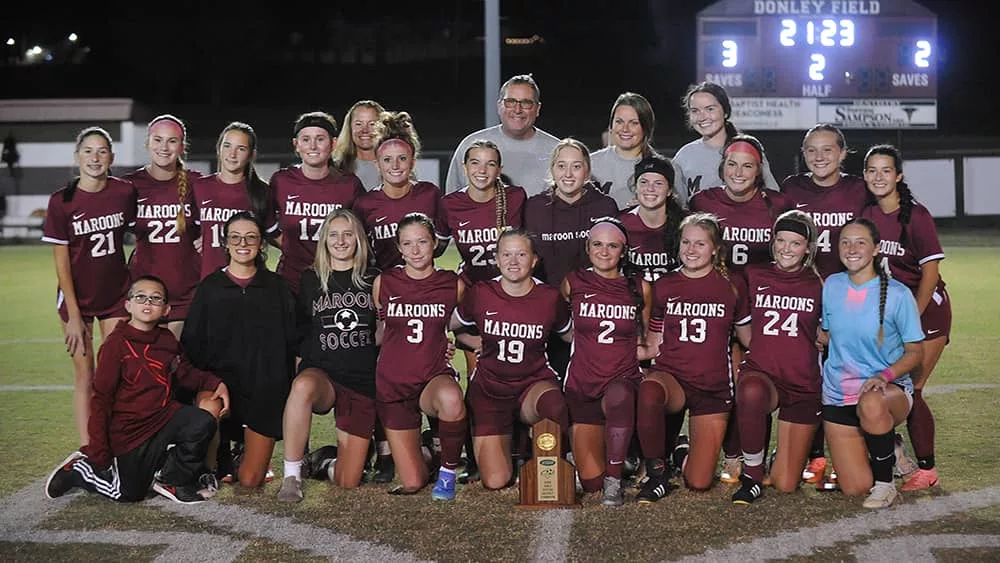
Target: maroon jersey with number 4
point(604, 332)
point(696, 317)
point(416, 314)
point(647, 248)
point(215, 202)
point(381, 214)
point(93, 226)
point(907, 250)
point(301, 205)
point(515, 331)
point(473, 225)
point(829, 207)
point(162, 249)
point(746, 225)
point(785, 309)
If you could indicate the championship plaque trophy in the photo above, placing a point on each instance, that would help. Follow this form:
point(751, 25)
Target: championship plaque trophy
point(547, 480)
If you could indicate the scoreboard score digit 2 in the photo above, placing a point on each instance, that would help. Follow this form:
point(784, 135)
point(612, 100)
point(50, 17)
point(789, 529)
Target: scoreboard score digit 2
point(788, 64)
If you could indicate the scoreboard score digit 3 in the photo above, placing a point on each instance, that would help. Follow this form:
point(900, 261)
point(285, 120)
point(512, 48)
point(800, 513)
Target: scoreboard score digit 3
point(828, 54)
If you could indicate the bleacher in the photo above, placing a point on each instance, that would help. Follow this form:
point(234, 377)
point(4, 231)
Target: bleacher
point(24, 218)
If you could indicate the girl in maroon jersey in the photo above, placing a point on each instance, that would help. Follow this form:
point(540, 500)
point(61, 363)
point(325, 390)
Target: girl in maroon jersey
point(515, 315)
point(912, 254)
point(235, 187)
point(413, 376)
point(695, 309)
point(396, 149)
point(86, 223)
point(165, 237)
point(781, 371)
point(652, 225)
point(610, 305)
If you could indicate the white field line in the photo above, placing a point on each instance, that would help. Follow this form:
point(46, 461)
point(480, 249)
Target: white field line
point(551, 537)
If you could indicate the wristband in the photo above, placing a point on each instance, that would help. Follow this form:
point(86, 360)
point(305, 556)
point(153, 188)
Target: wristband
point(887, 374)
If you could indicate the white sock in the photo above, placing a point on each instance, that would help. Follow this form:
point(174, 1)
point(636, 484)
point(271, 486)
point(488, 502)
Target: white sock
point(293, 469)
point(446, 470)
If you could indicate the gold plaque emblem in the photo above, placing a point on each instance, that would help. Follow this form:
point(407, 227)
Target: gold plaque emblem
point(546, 442)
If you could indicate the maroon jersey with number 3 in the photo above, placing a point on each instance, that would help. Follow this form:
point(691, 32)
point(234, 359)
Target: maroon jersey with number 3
point(785, 309)
point(515, 331)
point(829, 208)
point(162, 249)
point(473, 225)
point(215, 202)
point(696, 317)
point(746, 225)
point(416, 314)
point(301, 205)
point(93, 226)
point(605, 333)
point(906, 251)
point(381, 214)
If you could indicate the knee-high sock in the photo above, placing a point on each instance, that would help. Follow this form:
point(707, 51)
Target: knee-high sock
point(650, 419)
point(452, 436)
point(920, 424)
point(752, 416)
point(882, 449)
point(619, 401)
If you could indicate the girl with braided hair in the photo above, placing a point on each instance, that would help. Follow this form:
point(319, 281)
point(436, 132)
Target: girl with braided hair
point(912, 254)
point(695, 309)
point(610, 305)
point(874, 342)
point(165, 228)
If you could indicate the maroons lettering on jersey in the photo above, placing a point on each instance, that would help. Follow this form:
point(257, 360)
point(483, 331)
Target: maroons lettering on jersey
point(683, 309)
point(570, 235)
point(342, 300)
point(411, 310)
point(804, 304)
point(891, 248)
point(102, 223)
point(216, 214)
point(477, 236)
point(832, 219)
point(602, 311)
point(307, 209)
point(386, 231)
point(647, 259)
point(513, 330)
point(163, 211)
point(746, 234)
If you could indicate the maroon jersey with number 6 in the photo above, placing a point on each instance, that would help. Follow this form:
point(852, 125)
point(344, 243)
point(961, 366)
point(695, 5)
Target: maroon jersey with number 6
point(696, 317)
point(215, 202)
point(785, 309)
point(381, 214)
point(515, 331)
point(829, 207)
point(746, 225)
point(93, 226)
point(605, 333)
point(416, 314)
point(301, 205)
point(473, 225)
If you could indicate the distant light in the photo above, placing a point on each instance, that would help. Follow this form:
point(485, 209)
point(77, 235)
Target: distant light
point(48, 57)
point(73, 37)
point(524, 40)
point(36, 50)
point(10, 41)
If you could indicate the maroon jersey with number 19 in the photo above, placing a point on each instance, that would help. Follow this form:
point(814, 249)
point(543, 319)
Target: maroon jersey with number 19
point(515, 331)
point(416, 315)
point(746, 225)
point(473, 225)
point(215, 202)
point(696, 317)
point(829, 207)
point(93, 226)
point(381, 214)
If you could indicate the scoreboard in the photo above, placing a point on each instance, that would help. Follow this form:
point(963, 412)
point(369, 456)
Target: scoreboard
point(788, 64)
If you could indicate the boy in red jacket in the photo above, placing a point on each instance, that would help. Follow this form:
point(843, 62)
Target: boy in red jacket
point(134, 416)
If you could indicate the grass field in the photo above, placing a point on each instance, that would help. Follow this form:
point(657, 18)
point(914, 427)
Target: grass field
point(36, 431)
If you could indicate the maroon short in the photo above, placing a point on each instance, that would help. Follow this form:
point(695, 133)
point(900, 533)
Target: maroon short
point(354, 412)
point(399, 415)
point(588, 410)
point(699, 402)
point(116, 310)
point(793, 405)
point(936, 320)
point(491, 416)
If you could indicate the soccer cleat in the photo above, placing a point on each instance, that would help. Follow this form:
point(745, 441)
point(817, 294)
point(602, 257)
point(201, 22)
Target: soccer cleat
point(829, 483)
point(291, 490)
point(181, 495)
point(208, 485)
point(748, 492)
point(63, 479)
point(921, 479)
point(882, 495)
point(385, 469)
point(767, 470)
point(905, 466)
point(815, 470)
point(470, 474)
point(680, 454)
point(732, 468)
point(656, 485)
point(613, 493)
point(444, 489)
point(320, 461)
point(269, 476)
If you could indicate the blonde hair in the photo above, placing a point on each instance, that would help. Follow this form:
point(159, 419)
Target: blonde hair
point(709, 223)
point(570, 142)
point(321, 264)
point(345, 154)
point(182, 176)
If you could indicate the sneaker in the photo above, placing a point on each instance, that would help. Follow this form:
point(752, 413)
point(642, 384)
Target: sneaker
point(680, 454)
point(320, 462)
point(749, 491)
point(732, 468)
point(208, 485)
point(921, 479)
point(815, 470)
point(905, 466)
point(63, 479)
point(829, 483)
point(656, 485)
point(182, 495)
point(269, 476)
point(385, 469)
point(470, 474)
point(614, 495)
point(444, 488)
point(291, 490)
point(882, 495)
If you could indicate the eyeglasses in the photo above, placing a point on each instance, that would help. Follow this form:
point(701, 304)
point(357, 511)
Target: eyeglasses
point(142, 299)
point(525, 104)
point(250, 240)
